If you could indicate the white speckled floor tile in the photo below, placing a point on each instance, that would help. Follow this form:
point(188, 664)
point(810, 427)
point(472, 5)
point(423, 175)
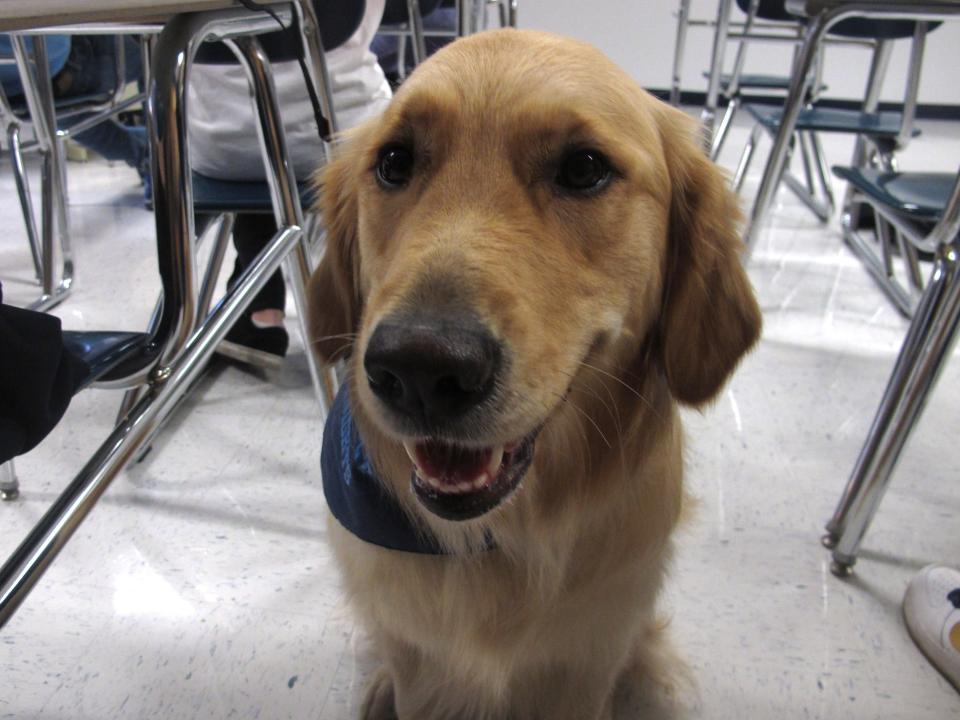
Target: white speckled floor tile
point(202, 585)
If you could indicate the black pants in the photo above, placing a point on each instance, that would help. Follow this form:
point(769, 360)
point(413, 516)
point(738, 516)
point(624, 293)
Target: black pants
point(251, 232)
point(38, 377)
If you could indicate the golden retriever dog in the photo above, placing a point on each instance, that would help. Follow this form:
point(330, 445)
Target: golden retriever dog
point(530, 264)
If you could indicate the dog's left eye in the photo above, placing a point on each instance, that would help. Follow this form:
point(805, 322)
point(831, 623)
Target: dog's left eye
point(583, 170)
point(394, 166)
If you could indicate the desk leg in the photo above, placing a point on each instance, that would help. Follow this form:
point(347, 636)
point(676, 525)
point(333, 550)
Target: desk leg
point(9, 485)
point(38, 93)
point(777, 160)
point(924, 353)
point(683, 17)
point(709, 113)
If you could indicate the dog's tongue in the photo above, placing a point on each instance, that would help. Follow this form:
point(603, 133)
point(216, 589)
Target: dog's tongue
point(454, 465)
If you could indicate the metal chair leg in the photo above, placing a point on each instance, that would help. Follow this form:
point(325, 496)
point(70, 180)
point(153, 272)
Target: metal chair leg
point(745, 157)
point(823, 172)
point(415, 21)
point(911, 261)
point(402, 57)
point(803, 141)
point(885, 239)
point(54, 222)
point(874, 262)
point(683, 15)
point(23, 193)
point(297, 273)
point(9, 485)
point(214, 264)
point(777, 159)
point(923, 355)
point(709, 112)
point(818, 208)
point(725, 122)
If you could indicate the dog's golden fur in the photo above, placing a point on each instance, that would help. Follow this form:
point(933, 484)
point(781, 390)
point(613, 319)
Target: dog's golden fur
point(614, 306)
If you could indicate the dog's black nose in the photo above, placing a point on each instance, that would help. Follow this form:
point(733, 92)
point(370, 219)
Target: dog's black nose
point(431, 370)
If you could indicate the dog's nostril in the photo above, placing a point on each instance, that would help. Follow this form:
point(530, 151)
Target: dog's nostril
point(431, 370)
point(454, 387)
point(385, 383)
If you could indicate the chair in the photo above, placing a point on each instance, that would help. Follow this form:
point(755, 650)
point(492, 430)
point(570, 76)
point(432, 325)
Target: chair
point(179, 341)
point(39, 113)
point(404, 20)
point(225, 199)
point(880, 134)
point(924, 210)
point(934, 324)
point(823, 16)
point(775, 25)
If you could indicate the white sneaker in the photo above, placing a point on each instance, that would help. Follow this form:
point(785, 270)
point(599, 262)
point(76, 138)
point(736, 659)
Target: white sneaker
point(931, 608)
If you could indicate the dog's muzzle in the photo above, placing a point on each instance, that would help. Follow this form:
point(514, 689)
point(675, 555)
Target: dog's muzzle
point(436, 377)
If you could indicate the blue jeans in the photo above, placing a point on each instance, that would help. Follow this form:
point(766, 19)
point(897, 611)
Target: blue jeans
point(58, 50)
point(92, 68)
point(387, 47)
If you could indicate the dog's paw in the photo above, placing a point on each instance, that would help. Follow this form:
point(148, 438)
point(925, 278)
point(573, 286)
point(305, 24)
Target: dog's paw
point(379, 704)
point(657, 683)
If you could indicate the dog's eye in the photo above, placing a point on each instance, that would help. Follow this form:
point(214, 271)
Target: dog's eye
point(394, 166)
point(583, 170)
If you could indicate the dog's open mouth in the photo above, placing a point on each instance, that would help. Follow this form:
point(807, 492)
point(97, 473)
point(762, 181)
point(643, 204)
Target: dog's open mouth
point(459, 483)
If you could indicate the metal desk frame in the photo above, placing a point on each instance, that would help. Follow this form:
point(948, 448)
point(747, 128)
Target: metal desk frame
point(188, 340)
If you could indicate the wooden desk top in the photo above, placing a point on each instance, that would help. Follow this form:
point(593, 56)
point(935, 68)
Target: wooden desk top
point(25, 14)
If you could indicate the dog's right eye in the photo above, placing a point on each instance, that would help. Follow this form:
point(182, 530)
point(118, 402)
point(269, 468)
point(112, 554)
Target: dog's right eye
point(583, 172)
point(394, 166)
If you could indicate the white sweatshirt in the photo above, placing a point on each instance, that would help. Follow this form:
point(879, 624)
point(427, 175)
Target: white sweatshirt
point(223, 136)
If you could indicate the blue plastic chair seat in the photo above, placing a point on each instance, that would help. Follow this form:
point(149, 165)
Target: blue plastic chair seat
point(878, 124)
point(211, 195)
point(19, 104)
point(103, 351)
point(920, 196)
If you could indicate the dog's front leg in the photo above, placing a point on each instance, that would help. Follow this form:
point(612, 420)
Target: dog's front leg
point(379, 702)
point(566, 693)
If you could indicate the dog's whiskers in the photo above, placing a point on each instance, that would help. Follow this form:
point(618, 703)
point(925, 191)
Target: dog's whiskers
point(629, 387)
point(337, 354)
point(613, 377)
point(583, 413)
point(593, 393)
point(339, 336)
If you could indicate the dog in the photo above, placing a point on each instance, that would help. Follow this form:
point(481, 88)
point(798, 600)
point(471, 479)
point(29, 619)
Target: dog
point(530, 265)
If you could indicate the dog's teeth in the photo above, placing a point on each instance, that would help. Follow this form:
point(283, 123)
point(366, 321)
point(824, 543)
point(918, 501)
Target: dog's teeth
point(480, 482)
point(431, 481)
point(411, 448)
point(493, 467)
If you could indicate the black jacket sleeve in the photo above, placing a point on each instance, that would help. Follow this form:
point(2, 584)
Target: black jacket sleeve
point(38, 376)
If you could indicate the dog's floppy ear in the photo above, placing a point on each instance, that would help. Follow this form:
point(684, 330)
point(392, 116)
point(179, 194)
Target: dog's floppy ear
point(333, 293)
point(711, 317)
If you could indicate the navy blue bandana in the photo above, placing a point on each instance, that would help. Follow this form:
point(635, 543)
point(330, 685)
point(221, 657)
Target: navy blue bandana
point(355, 497)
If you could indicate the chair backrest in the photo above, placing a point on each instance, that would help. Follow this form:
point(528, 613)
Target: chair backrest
point(774, 10)
point(338, 20)
point(395, 11)
point(864, 28)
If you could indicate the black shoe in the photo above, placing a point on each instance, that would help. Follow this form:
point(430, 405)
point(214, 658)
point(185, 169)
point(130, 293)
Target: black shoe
point(261, 346)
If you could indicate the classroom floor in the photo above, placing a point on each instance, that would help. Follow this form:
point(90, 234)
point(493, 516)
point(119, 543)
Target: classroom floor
point(202, 585)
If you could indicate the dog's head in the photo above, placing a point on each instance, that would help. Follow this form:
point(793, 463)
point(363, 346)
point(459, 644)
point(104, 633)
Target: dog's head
point(522, 211)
